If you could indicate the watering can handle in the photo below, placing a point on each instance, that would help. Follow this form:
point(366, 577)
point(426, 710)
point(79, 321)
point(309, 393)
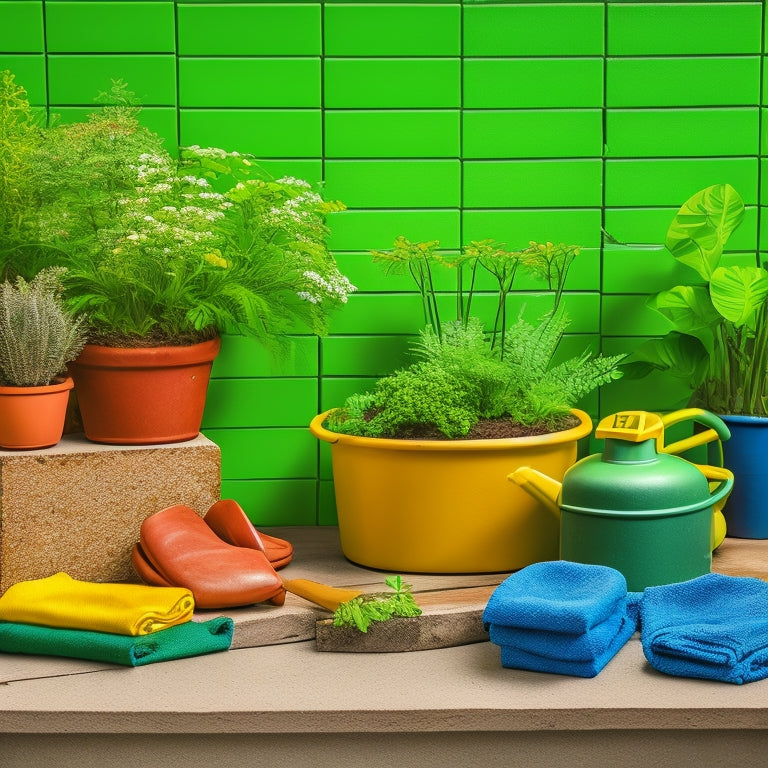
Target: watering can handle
point(717, 475)
point(717, 429)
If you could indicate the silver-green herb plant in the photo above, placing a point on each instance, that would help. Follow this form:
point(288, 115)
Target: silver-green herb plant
point(38, 336)
point(365, 609)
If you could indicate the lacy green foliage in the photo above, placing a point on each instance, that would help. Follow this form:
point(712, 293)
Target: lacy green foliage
point(164, 249)
point(361, 611)
point(463, 379)
point(541, 391)
point(465, 374)
point(38, 337)
point(20, 135)
point(718, 344)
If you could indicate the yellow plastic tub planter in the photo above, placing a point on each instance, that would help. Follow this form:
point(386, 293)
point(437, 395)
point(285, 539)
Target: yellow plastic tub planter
point(445, 506)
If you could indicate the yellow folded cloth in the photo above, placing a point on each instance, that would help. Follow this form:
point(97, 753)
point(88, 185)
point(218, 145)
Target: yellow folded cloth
point(123, 609)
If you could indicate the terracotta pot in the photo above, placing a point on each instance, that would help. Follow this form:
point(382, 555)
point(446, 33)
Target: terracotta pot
point(445, 506)
point(143, 396)
point(33, 417)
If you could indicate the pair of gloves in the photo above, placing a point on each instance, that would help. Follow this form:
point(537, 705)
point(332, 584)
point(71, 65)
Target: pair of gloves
point(572, 618)
point(221, 558)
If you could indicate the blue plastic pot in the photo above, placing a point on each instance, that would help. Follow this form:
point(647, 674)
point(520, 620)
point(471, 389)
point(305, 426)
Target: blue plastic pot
point(746, 455)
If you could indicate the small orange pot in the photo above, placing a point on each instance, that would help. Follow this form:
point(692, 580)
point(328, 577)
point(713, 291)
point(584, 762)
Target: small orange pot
point(143, 396)
point(33, 417)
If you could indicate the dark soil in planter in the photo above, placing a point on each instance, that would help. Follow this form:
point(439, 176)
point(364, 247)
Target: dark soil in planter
point(486, 429)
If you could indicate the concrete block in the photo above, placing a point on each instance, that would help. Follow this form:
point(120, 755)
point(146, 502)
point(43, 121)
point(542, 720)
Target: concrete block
point(78, 507)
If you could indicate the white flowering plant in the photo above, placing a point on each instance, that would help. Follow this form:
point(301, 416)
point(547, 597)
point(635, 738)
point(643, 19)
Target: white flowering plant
point(173, 250)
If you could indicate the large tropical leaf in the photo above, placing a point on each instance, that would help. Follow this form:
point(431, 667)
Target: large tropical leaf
point(702, 226)
point(737, 292)
point(689, 309)
point(683, 356)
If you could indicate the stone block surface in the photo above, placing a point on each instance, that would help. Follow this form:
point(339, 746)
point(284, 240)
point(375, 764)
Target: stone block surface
point(78, 507)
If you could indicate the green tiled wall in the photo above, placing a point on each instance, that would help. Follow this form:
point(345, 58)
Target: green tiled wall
point(438, 119)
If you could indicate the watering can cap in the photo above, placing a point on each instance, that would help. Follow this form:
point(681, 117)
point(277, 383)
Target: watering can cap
point(632, 426)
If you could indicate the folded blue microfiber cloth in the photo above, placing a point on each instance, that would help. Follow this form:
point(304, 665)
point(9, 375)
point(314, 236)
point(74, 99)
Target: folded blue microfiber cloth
point(565, 646)
point(713, 627)
point(557, 595)
point(516, 658)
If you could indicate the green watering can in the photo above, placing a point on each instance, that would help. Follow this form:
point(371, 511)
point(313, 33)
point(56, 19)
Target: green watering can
point(637, 506)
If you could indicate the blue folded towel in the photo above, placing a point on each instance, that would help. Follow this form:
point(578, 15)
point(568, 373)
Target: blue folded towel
point(557, 595)
point(713, 627)
point(564, 646)
point(516, 658)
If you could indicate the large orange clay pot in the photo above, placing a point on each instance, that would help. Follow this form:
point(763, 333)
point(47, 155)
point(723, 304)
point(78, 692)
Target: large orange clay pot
point(143, 396)
point(33, 417)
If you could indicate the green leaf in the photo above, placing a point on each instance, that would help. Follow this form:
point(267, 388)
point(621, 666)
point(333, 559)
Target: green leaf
point(682, 355)
point(702, 226)
point(738, 291)
point(690, 310)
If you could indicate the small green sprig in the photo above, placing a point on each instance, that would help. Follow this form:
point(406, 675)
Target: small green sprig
point(361, 611)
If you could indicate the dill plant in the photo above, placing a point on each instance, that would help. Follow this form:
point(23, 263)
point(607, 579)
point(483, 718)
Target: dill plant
point(465, 374)
point(167, 249)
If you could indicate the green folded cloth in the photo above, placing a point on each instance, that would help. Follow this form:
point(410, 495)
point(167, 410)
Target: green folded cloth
point(192, 638)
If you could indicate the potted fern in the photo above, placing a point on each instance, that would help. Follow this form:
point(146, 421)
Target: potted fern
point(38, 337)
point(420, 463)
point(164, 255)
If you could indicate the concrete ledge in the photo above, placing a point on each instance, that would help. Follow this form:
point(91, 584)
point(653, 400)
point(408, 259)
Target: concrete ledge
point(78, 507)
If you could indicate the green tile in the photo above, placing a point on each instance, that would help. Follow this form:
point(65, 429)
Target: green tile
point(75, 79)
point(657, 392)
point(628, 315)
point(263, 132)
point(648, 226)
point(326, 504)
point(364, 230)
point(335, 390)
point(392, 30)
point(683, 81)
point(29, 73)
point(309, 170)
point(532, 133)
point(365, 355)
point(417, 83)
point(693, 28)
point(110, 27)
point(583, 309)
point(274, 502)
point(371, 276)
point(763, 228)
point(546, 82)
point(234, 29)
point(682, 132)
point(672, 182)
point(642, 269)
point(558, 226)
point(21, 27)
point(524, 183)
point(283, 402)
point(160, 120)
point(533, 29)
point(249, 454)
point(244, 356)
point(395, 184)
point(249, 82)
point(380, 313)
point(392, 133)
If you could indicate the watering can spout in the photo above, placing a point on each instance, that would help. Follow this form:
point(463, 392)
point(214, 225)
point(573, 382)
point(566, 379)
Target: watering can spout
point(540, 486)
